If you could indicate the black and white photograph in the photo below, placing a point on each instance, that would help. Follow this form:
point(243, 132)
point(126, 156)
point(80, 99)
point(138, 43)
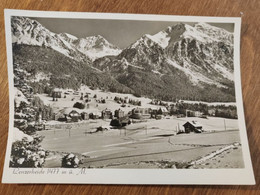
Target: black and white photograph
point(106, 93)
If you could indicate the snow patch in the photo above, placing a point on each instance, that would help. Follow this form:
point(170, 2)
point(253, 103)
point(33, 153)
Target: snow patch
point(19, 135)
point(19, 97)
point(161, 38)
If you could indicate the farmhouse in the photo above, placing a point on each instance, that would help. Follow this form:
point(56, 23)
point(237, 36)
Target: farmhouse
point(74, 115)
point(119, 113)
point(163, 111)
point(193, 126)
point(140, 113)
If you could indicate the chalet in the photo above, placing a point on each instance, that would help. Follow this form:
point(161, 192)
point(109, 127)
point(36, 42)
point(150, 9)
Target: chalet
point(140, 113)
point(163, 111)
point(59, 117)
point(75, 116)
point(193, 126)
point(119, 113)
point(106, 114)
point(84, 116)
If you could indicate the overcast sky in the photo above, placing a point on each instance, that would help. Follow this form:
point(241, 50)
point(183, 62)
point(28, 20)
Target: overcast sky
point(118, 32)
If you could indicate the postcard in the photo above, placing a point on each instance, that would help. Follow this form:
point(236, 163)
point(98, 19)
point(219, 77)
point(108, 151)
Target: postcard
point(125, 99)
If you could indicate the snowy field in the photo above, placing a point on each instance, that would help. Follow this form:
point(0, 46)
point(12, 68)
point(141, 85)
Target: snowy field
point(66, 104)
point(71, 99)
point(154, 140)
point(139, 145)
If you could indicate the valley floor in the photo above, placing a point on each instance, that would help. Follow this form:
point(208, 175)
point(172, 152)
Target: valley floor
point(150, 144)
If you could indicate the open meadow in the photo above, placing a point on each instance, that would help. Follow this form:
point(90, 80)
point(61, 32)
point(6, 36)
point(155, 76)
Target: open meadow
point(141, 145)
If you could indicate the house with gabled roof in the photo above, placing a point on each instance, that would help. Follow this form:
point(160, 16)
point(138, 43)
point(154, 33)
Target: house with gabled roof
point(193, 126)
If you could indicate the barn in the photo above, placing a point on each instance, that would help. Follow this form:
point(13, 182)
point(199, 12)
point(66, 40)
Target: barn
point(75, 116)
point(193, 126)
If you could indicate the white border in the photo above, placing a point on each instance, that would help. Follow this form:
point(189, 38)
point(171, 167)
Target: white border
point(134, 176)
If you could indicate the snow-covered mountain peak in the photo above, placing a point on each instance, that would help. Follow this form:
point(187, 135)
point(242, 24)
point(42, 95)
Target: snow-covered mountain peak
point(30, 32)
point(146, 41)
point(214, 32)
point(98, 41)
point(185, 31)
point(96, 47)
point(180, 31)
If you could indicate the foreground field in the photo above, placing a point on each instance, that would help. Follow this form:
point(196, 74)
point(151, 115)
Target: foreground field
point(148, 144)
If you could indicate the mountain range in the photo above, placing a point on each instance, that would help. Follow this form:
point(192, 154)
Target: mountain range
point(181, 61)
point(30, 32)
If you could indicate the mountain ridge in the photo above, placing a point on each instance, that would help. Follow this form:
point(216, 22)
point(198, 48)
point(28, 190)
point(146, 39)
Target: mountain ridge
point(184, 47)
point(31, 32)
point(179, 61)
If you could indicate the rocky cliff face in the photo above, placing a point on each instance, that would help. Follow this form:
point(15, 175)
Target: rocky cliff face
point(180, 61)
point(203, 52)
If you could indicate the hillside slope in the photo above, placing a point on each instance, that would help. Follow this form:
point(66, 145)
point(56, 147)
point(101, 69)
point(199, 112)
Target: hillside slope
point(49, 68)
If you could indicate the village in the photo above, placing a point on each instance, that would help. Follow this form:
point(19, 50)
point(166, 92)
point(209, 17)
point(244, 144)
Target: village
point(95, 128)
point(121, 109)
point(98, 128)
point(108, 125)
